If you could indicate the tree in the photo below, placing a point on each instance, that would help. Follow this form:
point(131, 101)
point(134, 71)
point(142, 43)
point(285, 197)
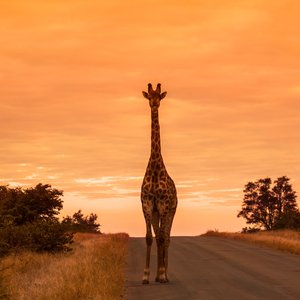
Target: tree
point(28, 220)
point(23, 206)
point(288, 220)
point(264, 205)
point(80, 223)
point(285, 196)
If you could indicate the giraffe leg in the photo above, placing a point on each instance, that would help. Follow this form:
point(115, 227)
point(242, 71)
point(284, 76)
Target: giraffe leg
point(167, 241)
point(149, 240)
point(166, 253)
point(155, 224)
point(161, 252)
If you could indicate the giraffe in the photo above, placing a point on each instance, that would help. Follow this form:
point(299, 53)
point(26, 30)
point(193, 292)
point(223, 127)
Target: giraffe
point(158, 195)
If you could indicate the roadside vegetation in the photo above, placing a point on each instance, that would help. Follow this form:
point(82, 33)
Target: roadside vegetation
point(284, 240)
point(93, 270)
point(29, 220)
point(270, 205)
point(271, 210)
point(43, 257)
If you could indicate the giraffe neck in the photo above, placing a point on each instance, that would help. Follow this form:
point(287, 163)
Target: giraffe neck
point(155, 135)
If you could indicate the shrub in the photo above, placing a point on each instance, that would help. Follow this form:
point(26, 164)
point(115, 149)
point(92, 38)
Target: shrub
point(42, 235)
point(49, 236)
point(80, 223)
point(250, 230)
point(31, 204)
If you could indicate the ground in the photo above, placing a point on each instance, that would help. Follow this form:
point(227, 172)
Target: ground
point(215, 268)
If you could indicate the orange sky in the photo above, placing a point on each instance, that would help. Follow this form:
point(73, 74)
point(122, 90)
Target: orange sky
point(72, 112)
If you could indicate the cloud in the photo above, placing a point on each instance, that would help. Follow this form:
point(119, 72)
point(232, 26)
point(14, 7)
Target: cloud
point(109, 187)
point(106, 180)
point(72, 113)
point(227, 203)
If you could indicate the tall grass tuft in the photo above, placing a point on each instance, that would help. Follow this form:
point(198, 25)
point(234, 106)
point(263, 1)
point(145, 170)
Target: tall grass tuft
point(94, 270)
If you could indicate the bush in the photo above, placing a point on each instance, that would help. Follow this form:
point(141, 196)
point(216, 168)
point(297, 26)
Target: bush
point(250, 230)
point(15, 237)
point(29, 205)
point(28, 220)
point(43, 235)
point(80, 223)
point(49, 236)
point(4, 247)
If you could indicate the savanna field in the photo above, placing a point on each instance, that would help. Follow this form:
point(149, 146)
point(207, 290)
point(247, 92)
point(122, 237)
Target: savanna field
point(95, 268)
point(284, 240)
point(44, 257)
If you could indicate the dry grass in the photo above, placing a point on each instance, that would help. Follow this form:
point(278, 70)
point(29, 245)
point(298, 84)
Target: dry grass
point(285, 240)
point(94, 270)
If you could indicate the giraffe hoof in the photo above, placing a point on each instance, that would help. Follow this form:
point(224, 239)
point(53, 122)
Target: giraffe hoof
point(156, 279)
point(163, 280)
point(145, 281)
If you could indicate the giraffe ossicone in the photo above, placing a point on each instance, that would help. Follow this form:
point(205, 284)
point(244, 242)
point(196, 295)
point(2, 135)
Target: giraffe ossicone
point(158, 194)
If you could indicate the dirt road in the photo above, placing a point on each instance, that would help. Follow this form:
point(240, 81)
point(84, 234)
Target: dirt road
point(215, 268)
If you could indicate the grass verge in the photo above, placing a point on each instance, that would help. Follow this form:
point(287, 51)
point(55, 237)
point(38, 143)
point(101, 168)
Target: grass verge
point(94, 270)
point(284, 240)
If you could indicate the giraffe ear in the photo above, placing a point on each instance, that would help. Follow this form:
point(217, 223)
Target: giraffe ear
point(163, 95)
point(145, 95)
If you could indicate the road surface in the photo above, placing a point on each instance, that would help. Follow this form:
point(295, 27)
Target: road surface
point(215, 268)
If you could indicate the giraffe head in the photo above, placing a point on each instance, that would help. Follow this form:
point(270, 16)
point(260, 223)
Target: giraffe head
point(154, 96)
